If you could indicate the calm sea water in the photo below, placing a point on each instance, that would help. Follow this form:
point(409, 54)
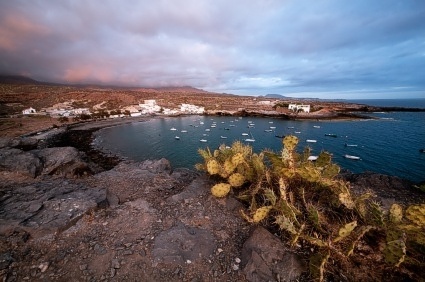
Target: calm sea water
point(389, 145)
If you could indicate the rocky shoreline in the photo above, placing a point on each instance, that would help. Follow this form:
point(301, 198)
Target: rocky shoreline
point(69, 212)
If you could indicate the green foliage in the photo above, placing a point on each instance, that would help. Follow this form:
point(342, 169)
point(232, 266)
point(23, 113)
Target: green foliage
point(306, 201)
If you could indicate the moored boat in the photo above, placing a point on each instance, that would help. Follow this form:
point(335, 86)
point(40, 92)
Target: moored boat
point(312, 158)
point(203, 140)
point(311, 141)
point(352, 157)
point(173, 129)
point(177, 138)
point(331, 135)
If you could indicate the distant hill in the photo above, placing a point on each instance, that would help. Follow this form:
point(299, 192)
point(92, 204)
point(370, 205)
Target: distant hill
point(17, 79)
point(275, 96)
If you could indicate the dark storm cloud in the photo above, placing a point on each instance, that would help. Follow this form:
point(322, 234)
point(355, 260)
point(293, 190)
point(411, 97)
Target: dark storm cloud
point(227, 46)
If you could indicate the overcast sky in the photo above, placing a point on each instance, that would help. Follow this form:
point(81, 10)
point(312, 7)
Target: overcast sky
point(299, 48)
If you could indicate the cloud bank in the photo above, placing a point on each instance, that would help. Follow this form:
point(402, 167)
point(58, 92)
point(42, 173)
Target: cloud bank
point(300, 48)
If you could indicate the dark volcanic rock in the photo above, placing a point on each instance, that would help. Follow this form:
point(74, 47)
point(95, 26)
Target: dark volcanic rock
point(18, 161)
point(47, 206)
point(183, 244)
point(64, 161)
point(265, 258)
point(131, 180)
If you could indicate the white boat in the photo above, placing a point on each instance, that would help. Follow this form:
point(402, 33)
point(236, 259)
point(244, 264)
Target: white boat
point(173, 129)
point(313, 158)
point(270, 122)
point(316, 126)
point(291, 127)
point(250, 139)
point(352, 157)
point(177, 138)
point(268, 130)
point(207, 129)
point(213, 126)
point(201, 122)
point(272, 127)
point(203, 140)
point(245, 134)
point(311, 141)
point(297, 132)
point(204, 134)
point(183, 131)
point(232, 125)
point(223, 137)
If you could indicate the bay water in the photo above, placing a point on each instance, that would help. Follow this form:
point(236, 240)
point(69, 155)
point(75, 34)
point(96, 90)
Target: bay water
point(389, 144)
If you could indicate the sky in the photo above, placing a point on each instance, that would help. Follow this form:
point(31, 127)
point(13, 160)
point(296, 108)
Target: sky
point(322, 49)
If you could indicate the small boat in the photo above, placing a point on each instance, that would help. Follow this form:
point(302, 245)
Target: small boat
point(272, 127)
point(280, 136)
point(223, 137)
point(203, 140)
point(268, 130)
point(313, 158)
point(173, 129)
point(311, 141)
point(297, 132)
point(201, 122)
point(184, 131)
point(204, 134)
point(207, 129)
point(226, 128)
point(232, 125)
point(270, 122)
point(291, 127)
point(245, 134)
point(249, 140)
point(331, 135)
point(177, 138)
point(222, 122)
point(350, 145)
point(316, 126)
point(213, 126)
point(352, 157)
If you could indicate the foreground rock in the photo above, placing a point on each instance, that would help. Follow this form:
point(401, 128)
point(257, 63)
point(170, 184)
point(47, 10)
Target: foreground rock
point(138, 221)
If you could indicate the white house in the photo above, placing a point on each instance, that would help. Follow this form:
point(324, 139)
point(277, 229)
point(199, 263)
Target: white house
point(191, 109)
point(29, 111)
point(295, 108)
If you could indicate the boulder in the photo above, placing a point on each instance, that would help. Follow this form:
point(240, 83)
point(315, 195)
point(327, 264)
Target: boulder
point(265, 258)
point(183, 244)
point(63, 161)
point(18, 161)
point(132, 180)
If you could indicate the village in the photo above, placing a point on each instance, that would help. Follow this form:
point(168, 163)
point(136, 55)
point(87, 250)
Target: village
point(149, 107)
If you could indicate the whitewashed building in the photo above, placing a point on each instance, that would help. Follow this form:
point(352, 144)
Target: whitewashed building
point(150, 107)
point(29, 111)
point(296, 108)
point(191, 109)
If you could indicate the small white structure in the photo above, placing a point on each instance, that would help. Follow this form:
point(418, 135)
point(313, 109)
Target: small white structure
point(296, 108)
point(265, 102)
point(29, 111)
point(191, 109)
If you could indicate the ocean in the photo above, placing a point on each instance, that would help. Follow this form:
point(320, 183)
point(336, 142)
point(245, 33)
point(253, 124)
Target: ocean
point(388, 145)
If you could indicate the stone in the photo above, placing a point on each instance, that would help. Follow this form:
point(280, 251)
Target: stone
point(264, 257)
point(63, 161)
point(18, 161)
point(182, 243)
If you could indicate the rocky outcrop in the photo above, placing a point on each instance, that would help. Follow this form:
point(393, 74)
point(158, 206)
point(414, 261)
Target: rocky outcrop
point(47, 206)
point(20, 162)
point(64, 161)
point(61, 161)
